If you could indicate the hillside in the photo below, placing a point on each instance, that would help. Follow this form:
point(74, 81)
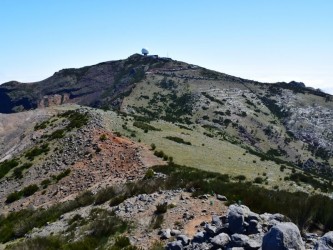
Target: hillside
point(115, 141)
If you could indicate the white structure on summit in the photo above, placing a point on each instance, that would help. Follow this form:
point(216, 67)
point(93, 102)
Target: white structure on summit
point(145, 52)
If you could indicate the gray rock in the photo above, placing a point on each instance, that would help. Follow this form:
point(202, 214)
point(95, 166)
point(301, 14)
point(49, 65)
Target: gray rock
point(216, 221)
point(211, 230)
point(253, 216)
point(175, 232)
point(199, 237)
point(183, 239)
point(175, 245)
point(220, 240)
point(285, 235)
point(325, 242)
point(236, 218)
point(165, 234)
point(239, 240)
point(221, 197)
point(253, 244)
point(254, 227)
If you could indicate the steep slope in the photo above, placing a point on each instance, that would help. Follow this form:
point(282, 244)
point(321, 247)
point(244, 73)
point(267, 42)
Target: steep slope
point(100, 85)
point(62, 155)
point(283, 122)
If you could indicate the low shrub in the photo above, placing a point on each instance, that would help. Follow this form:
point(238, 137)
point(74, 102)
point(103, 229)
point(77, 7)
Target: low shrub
point(145, 126)
point(62, 175)
point(17, 173)
point(149, 174)
point(161, 208)
point(36, 151)
point(29, 190)
point(103, 137)
point(258, 180)
point(178, 140)
point(104, 195)
point(6, 166)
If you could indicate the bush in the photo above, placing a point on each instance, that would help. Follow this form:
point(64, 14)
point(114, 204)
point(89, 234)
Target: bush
point(153, 146)
point(178, 140)
point(258, 180)
point(121, 242)
point(36, 151)
point(45, 183)
point(145, 126)
point(103, 137)
point(161, 208)
point(18, 171)
point(13, 197)
point(42, 125)
point(159, 154)
point(6, 166)
point(240, 177)
point(149, 174)
point(104, 195)
point(30, 190)
point(62, 174)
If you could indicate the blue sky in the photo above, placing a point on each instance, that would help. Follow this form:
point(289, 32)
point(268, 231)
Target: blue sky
point(277, 40)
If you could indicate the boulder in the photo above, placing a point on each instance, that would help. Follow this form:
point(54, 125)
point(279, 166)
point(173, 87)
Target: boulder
point(325, 242)
point(239, 240)
point(199, 237)
point(254, 227)
point(236, 218)
point(175, 245)
point(220, 241)
point(175, 232)
point(282, 236)
point(216, 221)
point(183, 239)
point(211, 230)
point(221, 197)
point(165, 234)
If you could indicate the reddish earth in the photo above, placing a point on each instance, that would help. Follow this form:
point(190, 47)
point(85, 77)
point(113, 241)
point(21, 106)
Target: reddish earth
point(118, 161)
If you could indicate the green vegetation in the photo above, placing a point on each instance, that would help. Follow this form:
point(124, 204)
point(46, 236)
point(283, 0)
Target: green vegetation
point(25, 192)
point(60, 133)
point(104, 195)
point(149, 174)
point(178, 140)
point(62, 175)
point(144, 126)
point(6, 166)
point(307, 178)
point(101, 226)
point(45, 183)
point(17, 173)
point(211, 98)
point(103, 137)
point(258, 180)
point(17, 224)
point(36, 151)
point(161, 208)
point(42, 125)
point(303, 209)
point(75, 118)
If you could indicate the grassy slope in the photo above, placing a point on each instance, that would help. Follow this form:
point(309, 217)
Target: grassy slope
point(216, 155)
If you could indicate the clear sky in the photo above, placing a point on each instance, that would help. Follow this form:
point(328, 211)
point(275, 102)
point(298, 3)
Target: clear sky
point(265, 40)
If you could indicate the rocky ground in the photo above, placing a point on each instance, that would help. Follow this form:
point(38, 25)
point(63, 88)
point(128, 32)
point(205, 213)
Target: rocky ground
point(93, 164)
point(198, 223)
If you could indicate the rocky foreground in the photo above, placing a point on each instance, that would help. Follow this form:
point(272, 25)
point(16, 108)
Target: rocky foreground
point(241, 229)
